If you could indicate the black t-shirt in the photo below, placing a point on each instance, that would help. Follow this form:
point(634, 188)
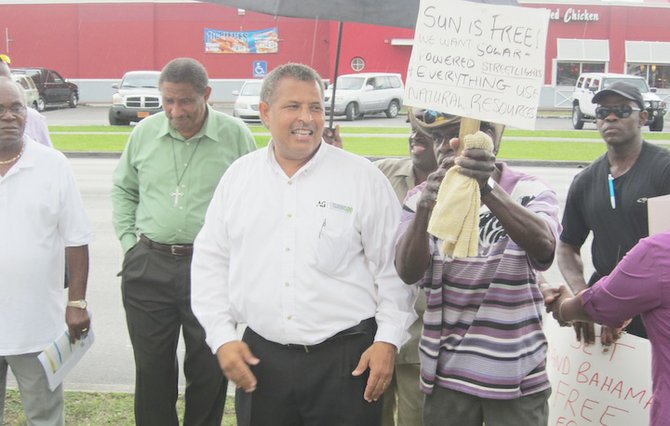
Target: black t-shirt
point(615, 231)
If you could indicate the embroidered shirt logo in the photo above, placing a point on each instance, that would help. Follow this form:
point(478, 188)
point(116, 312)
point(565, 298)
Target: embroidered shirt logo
point(334, 206)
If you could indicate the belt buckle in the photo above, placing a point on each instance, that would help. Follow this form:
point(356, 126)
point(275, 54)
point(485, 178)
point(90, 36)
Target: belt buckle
point(174, 248)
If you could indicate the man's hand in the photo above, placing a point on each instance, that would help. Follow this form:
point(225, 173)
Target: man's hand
point(332, 136)
point(585, 332)
point(478, 164)
point(78, 322)
point(380, 359)
point(609, 335)
point(234, 359)
point(553, 297)
point(434, 180)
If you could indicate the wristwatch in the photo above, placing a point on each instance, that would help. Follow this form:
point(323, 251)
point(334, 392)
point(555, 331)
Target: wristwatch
point(81, 304)
point(488, 187)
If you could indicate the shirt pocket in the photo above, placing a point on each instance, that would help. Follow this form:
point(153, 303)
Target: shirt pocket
point(334, 233)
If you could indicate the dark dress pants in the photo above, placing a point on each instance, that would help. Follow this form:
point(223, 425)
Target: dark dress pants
point(315, 388)
point(156, 290)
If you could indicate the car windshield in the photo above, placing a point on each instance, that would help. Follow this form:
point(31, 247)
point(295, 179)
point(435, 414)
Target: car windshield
point(251, 89)
point(140, 80)
point(641, 84)
point(350, 83)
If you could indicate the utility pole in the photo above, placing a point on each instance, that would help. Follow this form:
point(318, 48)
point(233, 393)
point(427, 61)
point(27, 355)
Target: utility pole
point(7, 40)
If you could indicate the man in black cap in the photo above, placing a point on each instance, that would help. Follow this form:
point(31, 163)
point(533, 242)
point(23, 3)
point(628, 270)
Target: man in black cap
point(609, 197)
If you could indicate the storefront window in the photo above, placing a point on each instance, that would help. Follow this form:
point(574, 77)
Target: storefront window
point(593, 67)
point(657, 75)
point(568, 72)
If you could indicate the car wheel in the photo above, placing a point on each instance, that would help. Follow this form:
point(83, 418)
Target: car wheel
point(657, 124)
point(352, 111)
point(34, 105)
point(392, 111)
point(115, 121)
point(577, 118)
point(41, 104)
point(73, 101)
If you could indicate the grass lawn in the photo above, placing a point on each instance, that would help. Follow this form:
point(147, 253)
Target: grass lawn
point(557, 145)
point(98, 408)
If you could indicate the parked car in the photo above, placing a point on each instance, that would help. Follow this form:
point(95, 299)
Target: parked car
point(248, 97)
point(366, 93)
point(137, 97)
point(32, 95)
point(583, 110)
point(53, 89)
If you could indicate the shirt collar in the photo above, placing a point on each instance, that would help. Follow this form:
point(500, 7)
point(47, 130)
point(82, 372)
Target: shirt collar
point(322, 152)
point(27, 159)
point(208, 129)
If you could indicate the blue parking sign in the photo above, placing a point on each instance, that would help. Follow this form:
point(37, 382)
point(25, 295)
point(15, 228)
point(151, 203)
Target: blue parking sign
point(260, 69)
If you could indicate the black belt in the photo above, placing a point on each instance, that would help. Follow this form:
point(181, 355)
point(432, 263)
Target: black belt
point(173, 249)
point(367, 326)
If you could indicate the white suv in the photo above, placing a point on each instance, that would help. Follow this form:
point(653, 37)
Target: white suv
point(588, 84)
point(366, 93)
point(136, 97)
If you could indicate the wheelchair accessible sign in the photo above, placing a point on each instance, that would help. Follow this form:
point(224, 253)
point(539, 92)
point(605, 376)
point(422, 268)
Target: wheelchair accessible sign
point(260, 69)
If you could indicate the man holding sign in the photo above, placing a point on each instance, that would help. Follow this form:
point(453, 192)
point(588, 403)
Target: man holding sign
point(482, 348)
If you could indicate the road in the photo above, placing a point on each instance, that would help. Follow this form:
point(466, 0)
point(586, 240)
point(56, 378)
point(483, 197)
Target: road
point(108, 366)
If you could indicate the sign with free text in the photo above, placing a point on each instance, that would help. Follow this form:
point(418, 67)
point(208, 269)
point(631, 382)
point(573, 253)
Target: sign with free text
point(593, 387)
point(478, 60)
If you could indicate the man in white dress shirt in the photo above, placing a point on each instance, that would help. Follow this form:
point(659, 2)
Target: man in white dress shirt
point(298, 243)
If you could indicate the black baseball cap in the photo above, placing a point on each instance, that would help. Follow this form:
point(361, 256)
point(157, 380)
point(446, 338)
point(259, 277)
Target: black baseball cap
point(621, 88)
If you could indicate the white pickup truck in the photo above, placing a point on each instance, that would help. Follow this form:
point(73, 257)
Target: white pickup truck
point(583, 110)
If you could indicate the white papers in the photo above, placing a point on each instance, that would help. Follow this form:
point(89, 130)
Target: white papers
point(658, 209)
point(61, 356)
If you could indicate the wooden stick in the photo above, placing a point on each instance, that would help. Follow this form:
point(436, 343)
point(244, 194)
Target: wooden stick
point(469, 126)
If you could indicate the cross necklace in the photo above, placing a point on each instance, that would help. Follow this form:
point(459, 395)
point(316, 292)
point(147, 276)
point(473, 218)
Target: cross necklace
point(177, 193)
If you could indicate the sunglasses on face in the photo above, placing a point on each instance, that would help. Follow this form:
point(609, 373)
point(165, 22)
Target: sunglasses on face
point(624, 111)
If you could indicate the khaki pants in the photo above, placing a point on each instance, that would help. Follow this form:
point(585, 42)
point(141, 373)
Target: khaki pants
point(404, 393)
point(42, 406)
point(445, 407)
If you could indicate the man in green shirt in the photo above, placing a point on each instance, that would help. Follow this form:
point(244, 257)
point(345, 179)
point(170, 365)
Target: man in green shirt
point(162, 186)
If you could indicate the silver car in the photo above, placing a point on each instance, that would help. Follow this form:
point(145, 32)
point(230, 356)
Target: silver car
point(366, 93)
point(248, 97)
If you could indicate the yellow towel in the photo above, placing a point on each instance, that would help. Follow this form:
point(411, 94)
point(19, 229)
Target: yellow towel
point(455, 217)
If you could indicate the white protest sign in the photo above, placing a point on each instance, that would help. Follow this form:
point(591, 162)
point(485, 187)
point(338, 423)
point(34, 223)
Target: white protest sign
point(592, 387)
point(657, 210)
point(478, 60)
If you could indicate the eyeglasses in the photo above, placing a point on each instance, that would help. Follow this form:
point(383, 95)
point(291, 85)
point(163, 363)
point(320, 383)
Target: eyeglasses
point(620, 111)
point(15, 110)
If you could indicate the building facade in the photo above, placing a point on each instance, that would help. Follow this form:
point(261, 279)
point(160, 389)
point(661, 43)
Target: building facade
point(93, 42)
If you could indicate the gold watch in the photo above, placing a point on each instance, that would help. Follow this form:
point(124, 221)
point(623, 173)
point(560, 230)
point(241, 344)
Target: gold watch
point(81, 304)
